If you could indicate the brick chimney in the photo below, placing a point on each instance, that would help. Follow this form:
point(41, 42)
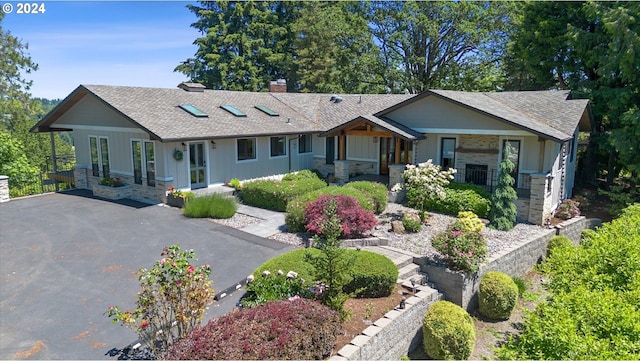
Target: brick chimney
point(278, 86)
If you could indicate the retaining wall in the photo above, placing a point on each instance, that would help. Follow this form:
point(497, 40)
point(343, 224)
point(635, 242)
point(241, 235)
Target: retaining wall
point(395, 334)
point(573, 227)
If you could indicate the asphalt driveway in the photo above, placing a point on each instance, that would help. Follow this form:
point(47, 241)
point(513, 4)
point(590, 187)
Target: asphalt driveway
point(65, 257)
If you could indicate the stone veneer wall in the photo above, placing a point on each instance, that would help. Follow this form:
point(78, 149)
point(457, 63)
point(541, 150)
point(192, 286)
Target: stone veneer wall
point(517, 260)
point(342, 171)
point(477, 149)
point(4, 188)
point(324, 168)
point(395, 334)
point(84, 179)
point(540, 199)
point(395, 174)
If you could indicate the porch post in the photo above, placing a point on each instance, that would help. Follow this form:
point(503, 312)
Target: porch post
point(53, 158)
point(341, 147)
point(540, 199)
point(397, 155)
point(342, 171)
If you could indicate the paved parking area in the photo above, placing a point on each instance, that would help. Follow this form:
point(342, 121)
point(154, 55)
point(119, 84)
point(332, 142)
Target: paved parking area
point(65, 257)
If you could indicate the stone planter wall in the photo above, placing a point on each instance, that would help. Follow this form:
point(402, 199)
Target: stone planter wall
point(395, 334)
point(572, 228)
point(112, 192)
point(4, 188)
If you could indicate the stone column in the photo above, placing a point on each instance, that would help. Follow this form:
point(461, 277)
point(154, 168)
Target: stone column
point(540, 199)
point(342, 171)
point(395, 174)
point(4, 188)
point(80, 178)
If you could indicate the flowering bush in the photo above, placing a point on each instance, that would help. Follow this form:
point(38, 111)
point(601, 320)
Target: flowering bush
point(568, 209)
point(179, 194)
point(235, 183)
point(173, 290)
point(427, 179)
point(273, 287)
point(353, 219)
point(296, 329)
point(463, 250)
point(111, 182)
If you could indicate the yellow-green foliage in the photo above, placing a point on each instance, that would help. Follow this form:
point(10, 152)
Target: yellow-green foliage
point(497, 295)
point(470, 221)
point(448, 332)
point(558, 241)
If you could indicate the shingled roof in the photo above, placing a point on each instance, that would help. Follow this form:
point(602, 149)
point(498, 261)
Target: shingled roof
point(157, 111)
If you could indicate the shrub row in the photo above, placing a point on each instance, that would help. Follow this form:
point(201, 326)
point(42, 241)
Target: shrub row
point(373, 274)
point(275, 195)
point(213, 205)
point(297, 329)
point(376, 191)
point(455, 201)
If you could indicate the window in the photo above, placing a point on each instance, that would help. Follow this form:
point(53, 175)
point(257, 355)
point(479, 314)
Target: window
point(233, 110)
point(193, 110)
point(138, 154)
point(150, 163)
point(265, 109)
point(246, 148)
point(99, 155)
point(278, 146)
point(447, 153)
point(304, 143)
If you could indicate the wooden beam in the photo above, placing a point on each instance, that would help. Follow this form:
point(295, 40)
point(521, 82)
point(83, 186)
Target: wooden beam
point(405, 160)
point(397, 156)
point(367, 133)
point(341, 147)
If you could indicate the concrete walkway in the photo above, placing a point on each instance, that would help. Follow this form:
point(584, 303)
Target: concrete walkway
point(272, 221)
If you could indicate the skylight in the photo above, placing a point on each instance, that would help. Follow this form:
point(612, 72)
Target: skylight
point(193, 110)
point(233, 110)
point(267, 110)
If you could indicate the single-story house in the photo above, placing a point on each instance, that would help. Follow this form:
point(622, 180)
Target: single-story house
point(191, 137)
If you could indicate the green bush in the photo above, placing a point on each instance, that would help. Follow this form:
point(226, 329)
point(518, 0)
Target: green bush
point(448, 332)
point(294, 218)
point(455, 201)
point(470, 222)
point(377, 192)
point(592, 312)
point(558, 241)
point(275, 195)
point(213, 205)
point(269, 286)
point(463, 250)
point(303, 174)
point(479, 190)
point(522, 285)
point(410, 224)
point(497, 295)
point(373, 275)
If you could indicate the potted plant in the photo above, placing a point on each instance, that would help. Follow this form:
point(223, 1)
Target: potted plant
point(177, 198)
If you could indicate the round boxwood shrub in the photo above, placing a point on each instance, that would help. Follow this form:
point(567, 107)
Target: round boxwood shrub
point(297, 329)
point(497, 295)
point(558, 241)
point(373, 274)
point(448, 332)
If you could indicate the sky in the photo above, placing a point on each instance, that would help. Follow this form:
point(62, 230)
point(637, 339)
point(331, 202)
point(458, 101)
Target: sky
point(135, 43)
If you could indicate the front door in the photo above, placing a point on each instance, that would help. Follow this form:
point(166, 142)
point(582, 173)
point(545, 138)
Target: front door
point(197, 165)
point(387, 154)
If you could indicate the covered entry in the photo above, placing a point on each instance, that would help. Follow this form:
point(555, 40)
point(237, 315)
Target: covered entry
point(369, 138)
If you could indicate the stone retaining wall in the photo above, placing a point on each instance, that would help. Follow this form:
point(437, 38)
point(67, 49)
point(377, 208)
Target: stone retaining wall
point(395, 334)
point(573, 227)
point(4, 188)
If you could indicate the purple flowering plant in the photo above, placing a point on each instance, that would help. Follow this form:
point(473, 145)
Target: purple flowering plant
point(464, 250)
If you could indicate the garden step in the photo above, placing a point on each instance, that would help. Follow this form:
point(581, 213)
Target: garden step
point(419, 279)
point(408, 271)
point(400, 259)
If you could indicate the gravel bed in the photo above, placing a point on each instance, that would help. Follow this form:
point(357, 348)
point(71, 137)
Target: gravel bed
point(418, 243)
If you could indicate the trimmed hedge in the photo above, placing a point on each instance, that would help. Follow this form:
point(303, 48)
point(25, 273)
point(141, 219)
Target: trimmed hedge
point(299, 329)
point(303, 174)
point(497, 295)
point(377, 192)
point(214, 205)
point(448, 332)
point(294, 218)
point(275, 195)
point(479, 190)
point(373, 273)
point(454, 202)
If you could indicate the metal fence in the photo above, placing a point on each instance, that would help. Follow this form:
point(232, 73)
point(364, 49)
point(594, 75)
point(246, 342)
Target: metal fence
point(44, 181)
point(489, 180)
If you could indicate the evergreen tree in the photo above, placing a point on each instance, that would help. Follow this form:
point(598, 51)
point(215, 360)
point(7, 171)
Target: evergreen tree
point(503, 210)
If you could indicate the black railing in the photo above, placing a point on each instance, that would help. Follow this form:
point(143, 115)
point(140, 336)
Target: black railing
point(489, 180)
point(44, 181)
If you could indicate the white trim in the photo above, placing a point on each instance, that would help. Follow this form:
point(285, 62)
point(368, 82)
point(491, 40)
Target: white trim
point(286, 147)
point(205, 155)
point(103, 128)
point(255, 149)
point(474, 131)
point(362, 159)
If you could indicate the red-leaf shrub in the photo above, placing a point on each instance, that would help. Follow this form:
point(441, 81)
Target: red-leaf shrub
point(300, 329)
point(354, 219)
